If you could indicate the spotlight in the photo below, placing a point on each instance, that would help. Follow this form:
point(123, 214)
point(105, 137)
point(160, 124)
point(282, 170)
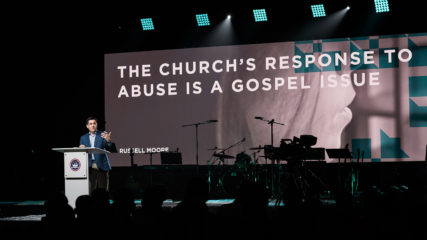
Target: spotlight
point(318, 10)
point(381, 6)
point(147, 24)
point(260, 15)
point(202, 19)
point(228, 16)
point(348, 8)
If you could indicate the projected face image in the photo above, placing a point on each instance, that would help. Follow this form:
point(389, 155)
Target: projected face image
point(316, 106)
point(331, 115)
point(315, 111)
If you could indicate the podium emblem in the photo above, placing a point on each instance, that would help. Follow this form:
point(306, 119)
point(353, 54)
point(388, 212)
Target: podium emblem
point(75, 164)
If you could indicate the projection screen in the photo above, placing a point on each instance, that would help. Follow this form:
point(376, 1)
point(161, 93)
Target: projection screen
point(369, 93)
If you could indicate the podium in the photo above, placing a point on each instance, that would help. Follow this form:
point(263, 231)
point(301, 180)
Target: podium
point(76, 171)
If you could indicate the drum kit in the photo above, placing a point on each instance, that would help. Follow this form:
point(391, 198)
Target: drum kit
point(295, 176)
point(226, 178)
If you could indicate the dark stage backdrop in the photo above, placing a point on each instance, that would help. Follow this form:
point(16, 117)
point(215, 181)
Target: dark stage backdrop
point(367, 92)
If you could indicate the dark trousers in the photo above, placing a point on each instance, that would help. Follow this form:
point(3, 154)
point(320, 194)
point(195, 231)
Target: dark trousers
point(98, 179)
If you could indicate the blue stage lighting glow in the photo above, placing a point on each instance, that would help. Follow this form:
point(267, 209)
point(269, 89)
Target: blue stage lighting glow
point(202, 20)
point(318, 10)
point(147, 24)
point(381, 6)
point(260, 15)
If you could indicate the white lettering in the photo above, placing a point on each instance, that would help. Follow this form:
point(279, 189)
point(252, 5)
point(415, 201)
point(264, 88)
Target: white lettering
point(309, 59)
point(251, 64)
point(164, 73)
point(408, 58)
point(248, 85)
point(368, 57)
point(389, 53)
point(355, 59)
point(122, 69)
point(136, 90)
point(269, 63)
point(216, 87)
point(123, 92)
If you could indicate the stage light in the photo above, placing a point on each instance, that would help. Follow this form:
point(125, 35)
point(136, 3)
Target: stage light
point(381, 6)
point(348, 8)
point(202, 20)
point(260, 15)
point(318, 10)
point(147, 24)
point(228, 16)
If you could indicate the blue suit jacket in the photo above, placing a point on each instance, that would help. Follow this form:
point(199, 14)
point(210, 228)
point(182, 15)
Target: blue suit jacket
point(101, 160)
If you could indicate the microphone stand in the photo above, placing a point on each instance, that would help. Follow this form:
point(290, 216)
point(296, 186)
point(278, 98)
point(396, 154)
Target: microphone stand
point(271, 123)
point(196, 125)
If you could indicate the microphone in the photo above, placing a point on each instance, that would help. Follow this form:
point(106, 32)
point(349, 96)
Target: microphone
point(244, 139)
point(212, 121)
point(259, 118)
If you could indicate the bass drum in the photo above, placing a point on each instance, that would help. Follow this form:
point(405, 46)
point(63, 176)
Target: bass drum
point(231, 181)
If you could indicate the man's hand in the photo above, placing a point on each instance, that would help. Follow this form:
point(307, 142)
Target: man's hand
point(107, 136)
point(82, 146)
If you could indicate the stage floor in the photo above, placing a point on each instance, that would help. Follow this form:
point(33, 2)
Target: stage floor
point(34, 210)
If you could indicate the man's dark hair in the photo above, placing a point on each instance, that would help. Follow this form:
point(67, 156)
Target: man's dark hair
point(91, 118)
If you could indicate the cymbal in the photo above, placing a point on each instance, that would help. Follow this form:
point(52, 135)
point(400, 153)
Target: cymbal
point(222, 155)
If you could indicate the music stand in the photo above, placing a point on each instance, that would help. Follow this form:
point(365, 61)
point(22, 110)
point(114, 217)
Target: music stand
point(339, 153)
point(314, 154)
point(171, 158)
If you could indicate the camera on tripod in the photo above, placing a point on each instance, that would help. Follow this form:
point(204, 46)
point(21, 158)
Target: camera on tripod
point(296, 149)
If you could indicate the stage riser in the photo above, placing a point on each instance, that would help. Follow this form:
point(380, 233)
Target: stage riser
point(175, 177)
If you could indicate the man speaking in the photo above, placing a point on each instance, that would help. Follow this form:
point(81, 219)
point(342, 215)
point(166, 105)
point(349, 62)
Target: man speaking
point(99, 164)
